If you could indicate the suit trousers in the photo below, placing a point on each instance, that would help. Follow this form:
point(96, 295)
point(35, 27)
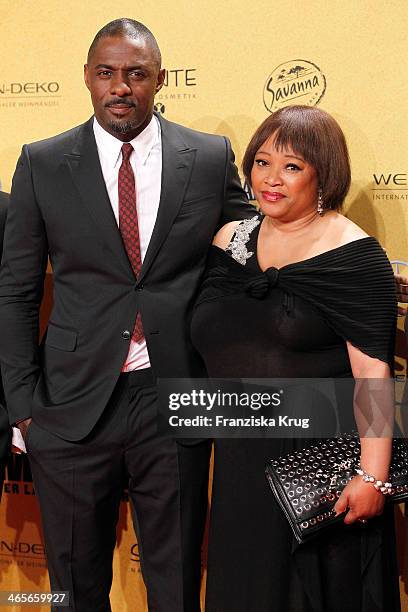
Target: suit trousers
point(79, 487)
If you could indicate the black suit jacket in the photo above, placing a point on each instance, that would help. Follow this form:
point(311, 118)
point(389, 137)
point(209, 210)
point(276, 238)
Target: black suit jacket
point(4, 200)
point(59, 208)
point(4, 424)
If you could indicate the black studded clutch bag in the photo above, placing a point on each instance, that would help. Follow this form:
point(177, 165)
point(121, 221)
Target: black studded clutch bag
point(307, 483)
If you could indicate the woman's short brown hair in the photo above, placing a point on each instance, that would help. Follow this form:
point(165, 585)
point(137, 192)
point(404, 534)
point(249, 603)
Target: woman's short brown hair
point(317, 138)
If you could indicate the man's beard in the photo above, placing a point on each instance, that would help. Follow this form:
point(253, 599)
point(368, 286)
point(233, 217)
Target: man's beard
point(122, 127)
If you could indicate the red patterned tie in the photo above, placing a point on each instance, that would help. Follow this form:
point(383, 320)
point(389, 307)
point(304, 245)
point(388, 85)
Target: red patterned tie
point(128, 224)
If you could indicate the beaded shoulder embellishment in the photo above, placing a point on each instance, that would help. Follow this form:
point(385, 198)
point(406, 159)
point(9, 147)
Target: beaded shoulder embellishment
point(241, 236)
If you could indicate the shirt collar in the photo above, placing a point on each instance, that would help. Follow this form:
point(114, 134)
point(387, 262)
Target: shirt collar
point(110, 147)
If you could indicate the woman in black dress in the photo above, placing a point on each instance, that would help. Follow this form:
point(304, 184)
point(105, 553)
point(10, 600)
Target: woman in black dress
point(297, 291)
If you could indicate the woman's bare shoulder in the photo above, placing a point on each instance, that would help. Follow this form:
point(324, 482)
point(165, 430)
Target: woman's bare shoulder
point(223, 237)
point(346, 230)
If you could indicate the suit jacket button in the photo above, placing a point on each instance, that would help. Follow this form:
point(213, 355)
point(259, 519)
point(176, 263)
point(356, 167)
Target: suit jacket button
point(126, 334)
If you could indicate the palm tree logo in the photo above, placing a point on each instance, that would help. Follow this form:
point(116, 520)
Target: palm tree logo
point(296, 70)
point(295, 82)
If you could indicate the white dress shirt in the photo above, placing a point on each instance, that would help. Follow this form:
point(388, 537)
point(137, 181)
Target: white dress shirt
point(146, 162)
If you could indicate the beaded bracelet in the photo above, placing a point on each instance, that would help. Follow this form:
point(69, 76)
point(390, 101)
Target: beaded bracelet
point(383, 487)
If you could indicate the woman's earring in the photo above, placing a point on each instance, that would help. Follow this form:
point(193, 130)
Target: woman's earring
point(320, 207)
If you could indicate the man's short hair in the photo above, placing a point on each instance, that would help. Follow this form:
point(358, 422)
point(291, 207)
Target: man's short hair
point(315, 136)
point(130, 28)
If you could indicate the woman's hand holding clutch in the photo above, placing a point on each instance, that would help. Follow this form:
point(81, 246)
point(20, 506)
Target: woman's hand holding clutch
point(361, 500)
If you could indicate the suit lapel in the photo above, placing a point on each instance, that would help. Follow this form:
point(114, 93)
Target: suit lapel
point(87, 176)
point(177, 164)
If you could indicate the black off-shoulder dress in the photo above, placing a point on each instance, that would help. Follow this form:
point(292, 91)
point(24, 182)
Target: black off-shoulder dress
point(291, 322)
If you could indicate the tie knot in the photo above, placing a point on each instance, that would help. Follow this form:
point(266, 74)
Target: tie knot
point(126, 151)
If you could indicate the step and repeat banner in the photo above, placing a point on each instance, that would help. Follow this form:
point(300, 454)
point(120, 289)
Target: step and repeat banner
point(229, 64)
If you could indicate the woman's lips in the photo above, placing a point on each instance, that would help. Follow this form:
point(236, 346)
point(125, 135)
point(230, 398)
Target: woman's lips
point(272, 196)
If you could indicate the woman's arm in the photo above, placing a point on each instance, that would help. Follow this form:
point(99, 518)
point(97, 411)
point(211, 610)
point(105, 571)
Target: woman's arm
point(374, 414)
point(223, 237)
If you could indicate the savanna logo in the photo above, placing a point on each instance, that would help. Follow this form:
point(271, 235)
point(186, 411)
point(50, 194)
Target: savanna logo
point(294, 82)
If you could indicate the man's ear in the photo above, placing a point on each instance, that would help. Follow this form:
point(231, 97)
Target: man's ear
point(86, 75)
point(160, 79)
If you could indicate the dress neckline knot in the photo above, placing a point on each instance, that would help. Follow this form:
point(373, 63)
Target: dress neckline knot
point(259, 286)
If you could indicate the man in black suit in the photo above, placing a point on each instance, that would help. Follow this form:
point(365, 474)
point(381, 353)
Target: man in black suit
point(4, 424)
point(125, 280)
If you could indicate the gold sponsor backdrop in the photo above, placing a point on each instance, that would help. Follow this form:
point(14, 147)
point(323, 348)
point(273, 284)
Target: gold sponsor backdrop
point(348, 57)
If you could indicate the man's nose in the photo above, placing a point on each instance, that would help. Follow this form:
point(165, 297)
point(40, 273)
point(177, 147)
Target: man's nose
point(120, 86)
